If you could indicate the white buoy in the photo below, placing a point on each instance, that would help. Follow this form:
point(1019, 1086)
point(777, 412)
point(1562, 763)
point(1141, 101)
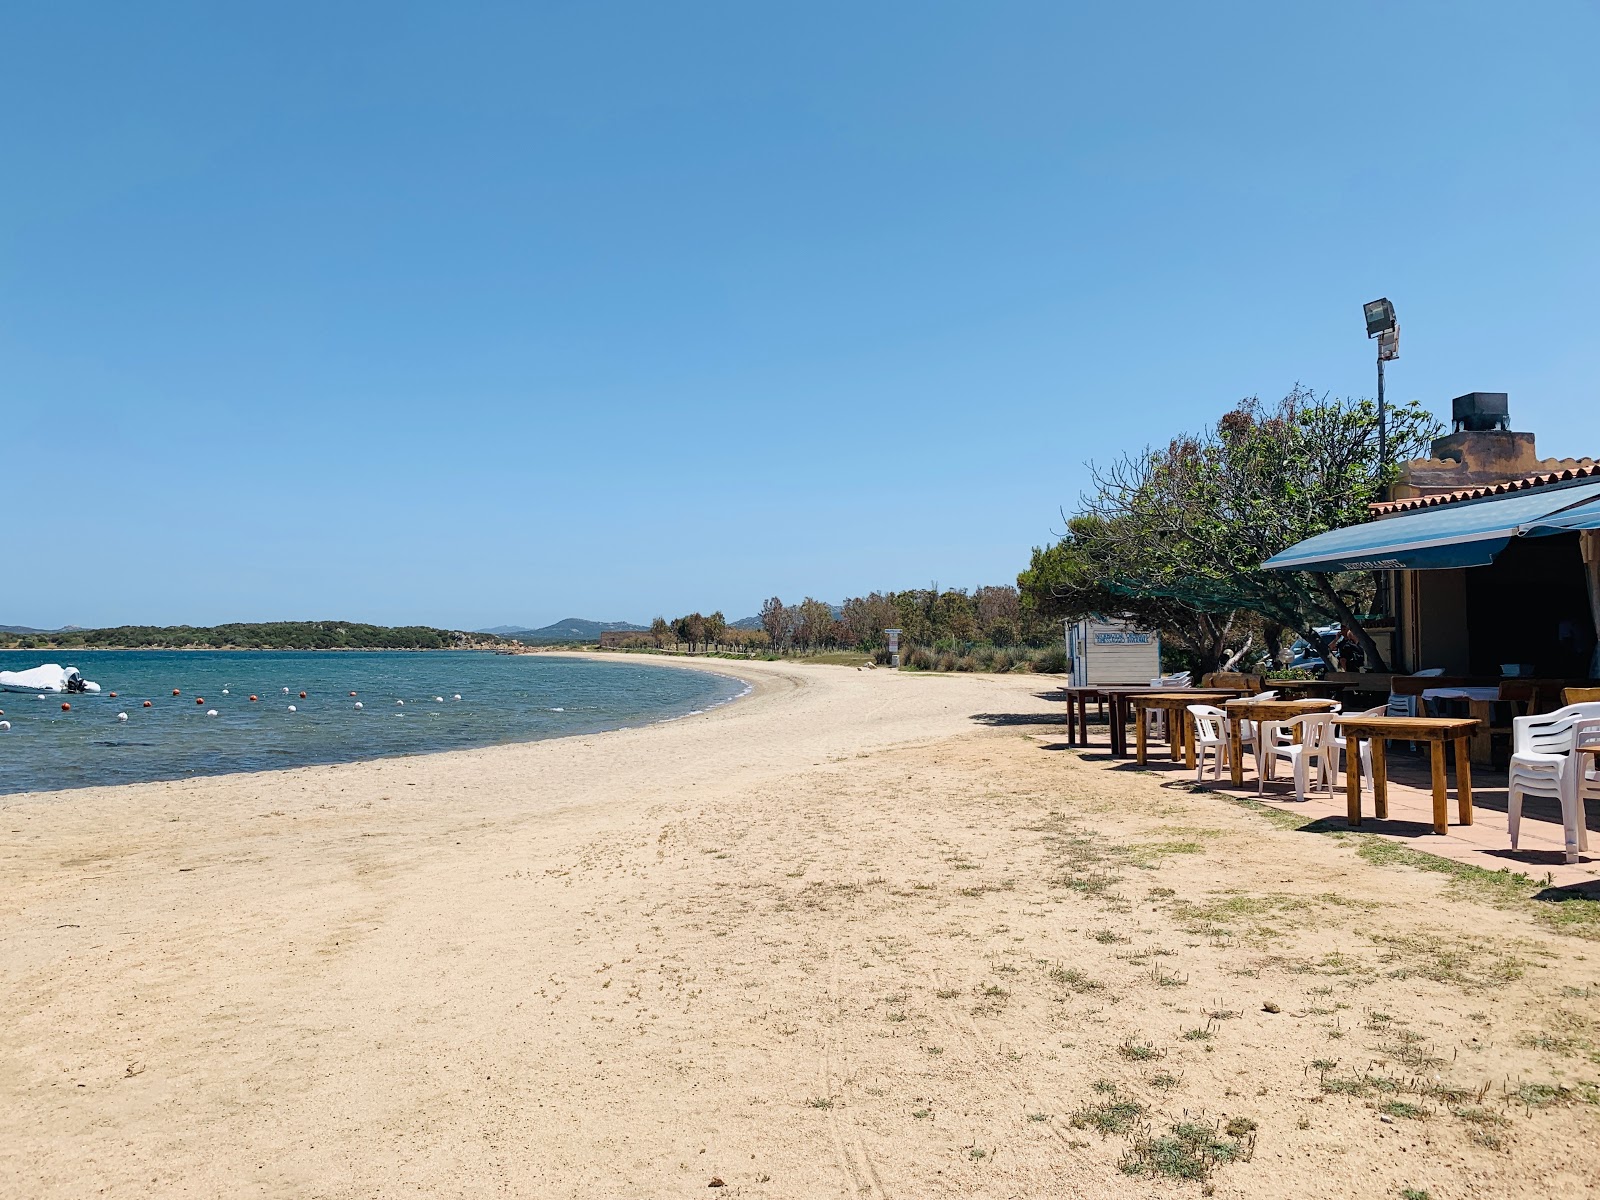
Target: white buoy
point(358, 704)
point(400, 702)
point(224, 691)
point(458, 695)
point(5, 725)
point(211, 712)
point(122, 716)
point(292, 708)
point(438, 699)
point(285, 691)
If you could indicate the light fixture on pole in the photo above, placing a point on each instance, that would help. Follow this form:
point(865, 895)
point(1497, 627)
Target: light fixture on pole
point(1382, 325)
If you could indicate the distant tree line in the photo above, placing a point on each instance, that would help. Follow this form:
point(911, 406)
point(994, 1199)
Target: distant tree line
point(271, 635)
point(949, 620)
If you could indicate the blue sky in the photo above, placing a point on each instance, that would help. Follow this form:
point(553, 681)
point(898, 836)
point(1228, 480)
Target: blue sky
point(471, 314)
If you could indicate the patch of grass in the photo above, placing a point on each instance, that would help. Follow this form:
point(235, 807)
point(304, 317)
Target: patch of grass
point(922, 1114)
point(1108, 937)
point(948, 993)
point(1468, 962)
point(1105, 1087)
point(820, 1102)
point(1411, 1193)
point(1138, 1051)
point(1403, 1109)
point(1547, 1041)
point(1200, 1033)
point(1164, 1080)
point(1570, 912)
point(1075, 979)
point(1036, 1118)
point(1355, 1085)
point(1188, 1150)
point(1117, 1115)
point(1149, 854)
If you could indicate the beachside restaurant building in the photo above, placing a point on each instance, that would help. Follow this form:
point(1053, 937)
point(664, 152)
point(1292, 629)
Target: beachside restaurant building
point(1490, 555)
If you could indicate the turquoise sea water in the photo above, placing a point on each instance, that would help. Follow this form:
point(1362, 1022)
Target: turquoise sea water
point(503, 699)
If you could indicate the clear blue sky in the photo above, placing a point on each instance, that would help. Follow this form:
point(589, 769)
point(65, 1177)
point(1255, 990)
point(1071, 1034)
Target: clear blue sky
point(468, 314)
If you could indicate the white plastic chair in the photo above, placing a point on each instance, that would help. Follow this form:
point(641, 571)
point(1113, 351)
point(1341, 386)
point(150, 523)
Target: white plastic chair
point(1248, 732)
point(1315, 747)
point(1585, 773)
point(1210, 736)
point(1406, 706)
point(1156, 719)
point(1541, 765)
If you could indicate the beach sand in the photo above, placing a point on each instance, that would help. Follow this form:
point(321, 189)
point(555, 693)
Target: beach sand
point(860, 934)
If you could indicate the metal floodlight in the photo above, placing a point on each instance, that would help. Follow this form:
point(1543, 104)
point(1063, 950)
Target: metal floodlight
point(1380, 317)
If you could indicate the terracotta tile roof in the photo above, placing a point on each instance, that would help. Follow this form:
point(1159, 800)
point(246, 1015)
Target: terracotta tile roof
point(1586, 470)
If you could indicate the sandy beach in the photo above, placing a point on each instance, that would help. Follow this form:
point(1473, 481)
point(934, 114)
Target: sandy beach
point(858, 934)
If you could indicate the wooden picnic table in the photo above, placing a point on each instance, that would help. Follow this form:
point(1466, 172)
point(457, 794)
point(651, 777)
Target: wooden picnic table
point(1180, 725)
point(1247, 709)
point(1436, 731)
point(1078, 698)
point(1119, 699)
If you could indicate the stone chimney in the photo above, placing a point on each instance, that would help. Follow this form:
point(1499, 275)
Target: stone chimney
point(1481, 449)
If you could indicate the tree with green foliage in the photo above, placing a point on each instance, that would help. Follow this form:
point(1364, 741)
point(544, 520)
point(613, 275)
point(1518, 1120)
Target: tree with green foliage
point(716, 629)
point(1192, 522)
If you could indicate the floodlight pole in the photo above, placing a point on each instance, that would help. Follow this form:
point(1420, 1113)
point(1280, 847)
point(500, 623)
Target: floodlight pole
point(1383, 420)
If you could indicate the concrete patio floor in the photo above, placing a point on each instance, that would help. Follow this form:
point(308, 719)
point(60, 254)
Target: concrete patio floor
point(1485, 843)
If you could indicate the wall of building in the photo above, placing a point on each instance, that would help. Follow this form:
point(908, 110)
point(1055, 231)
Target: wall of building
point(1440, 613)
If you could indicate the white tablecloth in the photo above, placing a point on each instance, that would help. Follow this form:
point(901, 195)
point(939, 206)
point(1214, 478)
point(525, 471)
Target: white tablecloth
point(1455, 693)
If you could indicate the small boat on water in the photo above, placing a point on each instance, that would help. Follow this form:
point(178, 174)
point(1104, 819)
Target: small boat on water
point(46, 678)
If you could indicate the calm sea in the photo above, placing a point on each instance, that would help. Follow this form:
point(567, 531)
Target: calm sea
point(501, 699)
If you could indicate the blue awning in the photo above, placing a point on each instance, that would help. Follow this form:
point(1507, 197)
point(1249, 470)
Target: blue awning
point(1468, 533)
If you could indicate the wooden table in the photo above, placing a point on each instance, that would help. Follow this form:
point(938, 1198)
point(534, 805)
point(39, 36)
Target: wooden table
point(1240, 711)
point(1078, 697)
point(1119, 698)
point(1436, 731)
point(1180, 726)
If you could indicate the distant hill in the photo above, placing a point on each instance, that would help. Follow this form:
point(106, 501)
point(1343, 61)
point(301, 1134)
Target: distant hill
point(22, 629)
point(570, 629)
point(271, 635)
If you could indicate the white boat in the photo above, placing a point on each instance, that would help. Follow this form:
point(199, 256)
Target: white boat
point(46, 678)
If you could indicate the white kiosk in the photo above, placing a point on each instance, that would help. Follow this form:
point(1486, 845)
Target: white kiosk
point(1108, 652)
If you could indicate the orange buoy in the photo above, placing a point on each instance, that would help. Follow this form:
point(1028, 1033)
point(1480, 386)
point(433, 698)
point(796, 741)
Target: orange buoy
point(199, 699)
point(147, 704)
point(302, 695)
point(252, 699)
point(175, 692)
point(113, 695)
point(352, 693)
point(66, 708)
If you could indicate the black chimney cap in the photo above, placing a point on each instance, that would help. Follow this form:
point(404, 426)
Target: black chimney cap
point(1479, 412)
